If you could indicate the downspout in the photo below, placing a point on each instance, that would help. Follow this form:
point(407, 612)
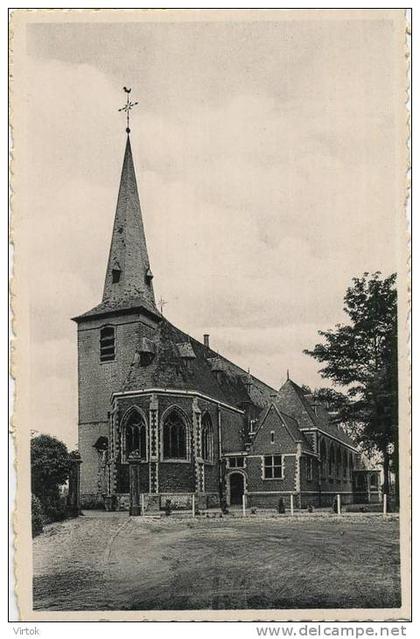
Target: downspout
point(219, 431)
point(111, 462)
point(297, 478)
point(318, 448)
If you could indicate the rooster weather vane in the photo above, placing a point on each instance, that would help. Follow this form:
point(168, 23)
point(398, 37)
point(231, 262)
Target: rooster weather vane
point(127, 107)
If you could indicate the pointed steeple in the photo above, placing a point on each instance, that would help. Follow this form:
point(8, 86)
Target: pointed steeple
point(128, 275)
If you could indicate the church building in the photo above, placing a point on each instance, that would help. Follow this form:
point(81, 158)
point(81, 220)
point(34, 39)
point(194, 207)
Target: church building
point(196, 422)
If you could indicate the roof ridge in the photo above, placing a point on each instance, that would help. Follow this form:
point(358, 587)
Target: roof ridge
point(304, 402)
point(316, 420)
point(282, 415)
point(216, 354)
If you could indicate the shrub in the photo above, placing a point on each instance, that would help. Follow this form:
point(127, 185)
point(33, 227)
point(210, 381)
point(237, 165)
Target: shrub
point(281, 508)
point(55, 508)
point(37, 516)
point(50, 465)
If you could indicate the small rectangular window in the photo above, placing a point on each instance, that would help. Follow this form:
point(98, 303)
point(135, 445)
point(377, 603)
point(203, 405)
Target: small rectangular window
point(272, 436)
point(273, 467)
point(235, 462)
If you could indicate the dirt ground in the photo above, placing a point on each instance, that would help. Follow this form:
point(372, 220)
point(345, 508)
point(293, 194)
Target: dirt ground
point(110, 561)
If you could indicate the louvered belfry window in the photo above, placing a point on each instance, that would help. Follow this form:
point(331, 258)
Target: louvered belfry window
point(107, 344)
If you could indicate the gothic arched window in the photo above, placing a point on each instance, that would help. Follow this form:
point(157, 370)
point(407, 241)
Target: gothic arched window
point(174, 437)
point(345, 464)
point(323, 456)
point(107, 344)
point(135, 435)
point(207, 438)
point(338, 463)
point(331, 460)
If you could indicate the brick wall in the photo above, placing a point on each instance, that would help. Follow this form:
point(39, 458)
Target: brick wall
point(175, 477)
point(232, 431)
point(272, 438)
point(305, 483)
point(179, 477)
point(88, 435)
point(334, 483)
point(269, 500)
point(98, 380)
point(282, 441)
point(257, 484)
point(211, 470)
point(321, 492)
point(211, 476)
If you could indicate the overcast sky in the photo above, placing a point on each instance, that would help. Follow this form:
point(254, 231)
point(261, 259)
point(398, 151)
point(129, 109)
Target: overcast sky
point(265, 157)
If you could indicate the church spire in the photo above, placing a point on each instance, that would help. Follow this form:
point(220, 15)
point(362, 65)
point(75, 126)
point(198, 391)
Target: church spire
point(128, 275)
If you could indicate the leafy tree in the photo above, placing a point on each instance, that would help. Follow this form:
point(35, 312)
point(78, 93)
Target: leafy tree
point(332, 400)
point(50, 464)
point(37, 516)
point(337, 404)
point(362, 357)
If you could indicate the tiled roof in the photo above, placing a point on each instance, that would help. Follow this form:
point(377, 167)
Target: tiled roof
point(128, 279)
point(296, 433)
point(172, 369)
point(125, 304)
point(289, 422)
point(293, 400)
point(128, 272)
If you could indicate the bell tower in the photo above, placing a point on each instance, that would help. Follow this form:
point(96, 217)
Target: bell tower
point(109, 332)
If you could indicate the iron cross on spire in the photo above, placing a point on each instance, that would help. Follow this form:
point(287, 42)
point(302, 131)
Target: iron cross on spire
point(162, 303)
point(127, 107)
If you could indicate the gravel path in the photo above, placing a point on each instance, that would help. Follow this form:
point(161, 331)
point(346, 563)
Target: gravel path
point(110, 561)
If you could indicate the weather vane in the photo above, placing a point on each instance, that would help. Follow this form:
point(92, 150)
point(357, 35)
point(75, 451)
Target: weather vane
point(127, 107)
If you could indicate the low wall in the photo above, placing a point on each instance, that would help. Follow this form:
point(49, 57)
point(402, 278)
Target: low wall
point(92, 501)
point(271, 500)
point(152, 502)
point(183, 501)
point(303, 500)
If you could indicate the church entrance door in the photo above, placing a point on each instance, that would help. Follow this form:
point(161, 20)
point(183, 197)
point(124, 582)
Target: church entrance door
point(237, 485)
